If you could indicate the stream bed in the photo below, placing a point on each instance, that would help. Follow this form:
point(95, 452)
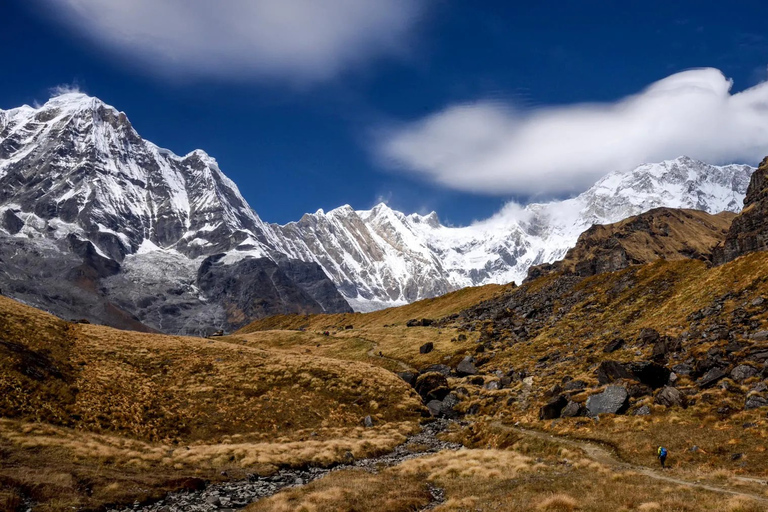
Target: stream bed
point(235, 495)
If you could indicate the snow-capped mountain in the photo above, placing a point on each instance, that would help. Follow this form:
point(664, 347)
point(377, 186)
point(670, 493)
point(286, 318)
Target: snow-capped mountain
point(382, 257)
point(168, 240)
point(97, 222)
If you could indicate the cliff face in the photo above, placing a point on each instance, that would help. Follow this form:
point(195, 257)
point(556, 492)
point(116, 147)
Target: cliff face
point(662, 233)
point(749, 230)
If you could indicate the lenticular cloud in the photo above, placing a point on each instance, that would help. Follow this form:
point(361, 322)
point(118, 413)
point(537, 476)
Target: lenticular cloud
point(298, 40)
point(494, 148)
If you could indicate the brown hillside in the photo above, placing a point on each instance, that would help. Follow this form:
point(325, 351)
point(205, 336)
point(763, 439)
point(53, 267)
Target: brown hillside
point(437, 307)
point(76, 397)
point(661, 233)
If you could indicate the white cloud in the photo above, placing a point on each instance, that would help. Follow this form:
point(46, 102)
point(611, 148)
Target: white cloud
point(298, 40)
point(494, 148)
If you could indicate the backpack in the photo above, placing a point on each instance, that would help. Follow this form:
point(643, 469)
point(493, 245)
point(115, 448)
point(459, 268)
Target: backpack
point(662, 452)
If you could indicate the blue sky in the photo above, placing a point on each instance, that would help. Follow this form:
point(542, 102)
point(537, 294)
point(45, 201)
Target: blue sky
point(430, 105)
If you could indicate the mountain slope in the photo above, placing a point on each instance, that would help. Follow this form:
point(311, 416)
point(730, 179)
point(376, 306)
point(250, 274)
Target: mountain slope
point(91, 212)
point(661, 233)
point(132, 223)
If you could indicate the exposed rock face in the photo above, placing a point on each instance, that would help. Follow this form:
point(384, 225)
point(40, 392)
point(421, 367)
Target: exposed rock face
point(749, 231)
point(662, 233)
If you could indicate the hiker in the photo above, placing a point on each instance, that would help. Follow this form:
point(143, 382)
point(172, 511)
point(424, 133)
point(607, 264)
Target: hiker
point(662, 453)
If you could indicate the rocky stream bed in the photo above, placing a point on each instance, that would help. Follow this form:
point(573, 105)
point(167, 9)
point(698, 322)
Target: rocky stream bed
point(229, 496)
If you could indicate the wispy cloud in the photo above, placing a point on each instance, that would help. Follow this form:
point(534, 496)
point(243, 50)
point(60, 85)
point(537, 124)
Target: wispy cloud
point(298, 40)
point(496, 148)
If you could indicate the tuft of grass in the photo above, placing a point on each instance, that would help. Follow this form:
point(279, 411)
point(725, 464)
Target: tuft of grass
point(558, 502)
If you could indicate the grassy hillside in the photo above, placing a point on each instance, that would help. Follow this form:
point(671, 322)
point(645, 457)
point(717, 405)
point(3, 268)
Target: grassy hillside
point(95, 406)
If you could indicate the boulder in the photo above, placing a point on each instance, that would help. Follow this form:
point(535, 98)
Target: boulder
point(435, 407)
point(614, 400)
point(610, 371)
point(439, 368)
point(638, 389)
point(649, 336)
point(755, 401)
point(650, 373)
point(426, 348)
point(444, 408)
point(682, 369)
point(575, 385)
point(613, 346)
point(409, 377)
point(643, 411)
point(368, 422)
point(743, 372)
point(432, 386)
point(572, 410)
point(553, 408)
point(466, 367)
point(711, 377)
point(759, 336)
point(671, 397)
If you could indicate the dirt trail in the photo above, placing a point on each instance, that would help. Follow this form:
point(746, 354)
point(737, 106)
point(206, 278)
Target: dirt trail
point(374, 352)
point(607, 457)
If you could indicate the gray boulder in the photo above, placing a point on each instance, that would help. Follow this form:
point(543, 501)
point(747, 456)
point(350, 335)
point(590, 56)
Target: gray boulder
point(671, 397)
point(466, 367)
point(743, 372)
point(711, 377)
point(614, 400)
point(755, 402)
point(571, 410)
point(643, 411)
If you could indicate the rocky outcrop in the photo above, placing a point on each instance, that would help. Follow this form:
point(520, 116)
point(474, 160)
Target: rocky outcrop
point(662, 233)
point(749, 230)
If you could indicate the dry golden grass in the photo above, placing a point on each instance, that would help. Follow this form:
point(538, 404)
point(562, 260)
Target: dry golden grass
point(156, 409)
point(558, 502)
point(351, 490)
point(437, 307)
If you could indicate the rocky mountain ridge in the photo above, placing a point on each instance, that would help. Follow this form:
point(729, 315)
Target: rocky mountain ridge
point(133, 224)
point(85, 201)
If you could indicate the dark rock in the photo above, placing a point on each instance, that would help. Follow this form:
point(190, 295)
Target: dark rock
point(637, 390)
point(743, 372)
point(755, 402)
point(12, 222)
point(648, 336)
point(682, 369)
point(575, 385)
point(553, 408)
point(671, 397)
point(736, 456)
point(553, 391)
point(711, 377)
point(439, 368)
point(572, 410)
point(409, 377)
point(432, 386)
point(610, 371)
point(435, 407)
point(426, 348)
point(466, 367)
point(474, 408)
point(614, 400)
point(613, 346)
point(759, 336)
point(477, 380)
point(651, 374)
